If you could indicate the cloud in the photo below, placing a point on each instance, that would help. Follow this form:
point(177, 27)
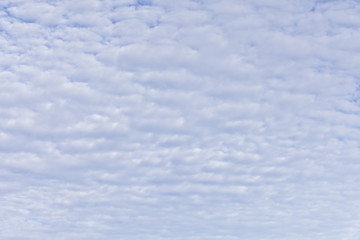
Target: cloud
point(179, 119)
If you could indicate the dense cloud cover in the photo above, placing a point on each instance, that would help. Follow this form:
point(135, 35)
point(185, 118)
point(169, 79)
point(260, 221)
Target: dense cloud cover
point(181, 119)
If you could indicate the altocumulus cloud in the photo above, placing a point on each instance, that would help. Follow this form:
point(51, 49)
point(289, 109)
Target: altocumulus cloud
point(179, 119)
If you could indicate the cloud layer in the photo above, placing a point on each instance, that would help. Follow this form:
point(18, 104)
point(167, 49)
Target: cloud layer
point(179, 119)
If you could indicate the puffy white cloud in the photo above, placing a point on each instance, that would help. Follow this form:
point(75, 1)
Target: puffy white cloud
point(179, 119)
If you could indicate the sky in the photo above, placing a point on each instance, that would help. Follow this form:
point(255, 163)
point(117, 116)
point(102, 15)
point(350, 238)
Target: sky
point(179, 119)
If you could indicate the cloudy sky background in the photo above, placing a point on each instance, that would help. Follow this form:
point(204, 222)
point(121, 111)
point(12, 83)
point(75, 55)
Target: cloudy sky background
point(179, 119)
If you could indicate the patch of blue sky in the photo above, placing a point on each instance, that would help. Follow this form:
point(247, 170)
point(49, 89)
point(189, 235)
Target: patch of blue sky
point(144, 2)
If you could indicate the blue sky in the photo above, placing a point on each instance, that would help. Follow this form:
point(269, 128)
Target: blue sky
point(197, 120)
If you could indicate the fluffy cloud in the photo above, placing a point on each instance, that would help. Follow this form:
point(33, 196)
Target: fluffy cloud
point(179, 119)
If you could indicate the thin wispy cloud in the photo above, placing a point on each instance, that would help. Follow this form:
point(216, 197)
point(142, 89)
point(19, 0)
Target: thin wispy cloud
point(179, 119)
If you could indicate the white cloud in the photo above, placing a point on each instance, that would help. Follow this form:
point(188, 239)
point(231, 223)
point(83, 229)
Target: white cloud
point(179, 119)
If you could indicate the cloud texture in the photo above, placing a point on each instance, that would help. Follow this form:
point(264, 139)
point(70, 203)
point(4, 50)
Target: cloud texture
point(178, 119)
